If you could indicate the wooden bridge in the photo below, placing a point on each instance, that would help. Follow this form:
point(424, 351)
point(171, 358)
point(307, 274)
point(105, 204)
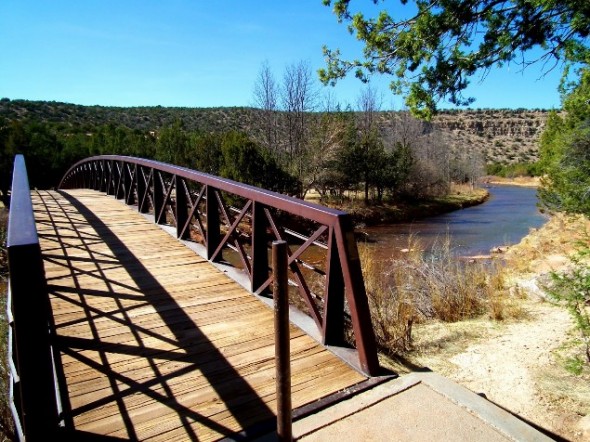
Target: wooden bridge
point(139, 294)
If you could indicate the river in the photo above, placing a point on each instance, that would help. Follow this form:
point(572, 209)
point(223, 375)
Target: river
point(504, 219)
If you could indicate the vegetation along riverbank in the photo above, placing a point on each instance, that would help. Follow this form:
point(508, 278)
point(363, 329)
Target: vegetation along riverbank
point(491, 326)
point(459, 197)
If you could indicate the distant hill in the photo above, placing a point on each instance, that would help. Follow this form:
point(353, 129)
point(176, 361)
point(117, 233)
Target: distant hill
point(506, 136)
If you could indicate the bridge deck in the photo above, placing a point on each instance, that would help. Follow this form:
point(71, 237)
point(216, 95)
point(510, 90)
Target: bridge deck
point(154, 342)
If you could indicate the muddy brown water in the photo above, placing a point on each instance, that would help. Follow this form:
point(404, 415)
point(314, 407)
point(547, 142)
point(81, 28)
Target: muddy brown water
point(504, 219)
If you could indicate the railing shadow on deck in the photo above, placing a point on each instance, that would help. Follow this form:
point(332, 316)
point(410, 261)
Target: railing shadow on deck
point(203, 356)
point(231, 218)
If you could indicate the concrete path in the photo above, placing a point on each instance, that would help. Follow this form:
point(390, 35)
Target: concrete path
point(415, 407)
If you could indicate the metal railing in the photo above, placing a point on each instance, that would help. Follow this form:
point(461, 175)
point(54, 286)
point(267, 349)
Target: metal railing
point(32, 395)
point(237, 223)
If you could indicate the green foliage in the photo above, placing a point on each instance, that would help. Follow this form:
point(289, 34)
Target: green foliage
point(205, 153)
point(565, 153)
point(50, 149)
point(364, 160)
point(575, 365)
point(432, 47)
point(565, 158)
point(573, 290)
point(395, 169)
point(514, 170)
point(172, 144)
point(245, 161)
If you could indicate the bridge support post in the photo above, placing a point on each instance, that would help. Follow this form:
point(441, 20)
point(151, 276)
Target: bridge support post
point(181, 209)
point(129, 190)
point(158, 195)
point(259, 247)
point(357, 296)
point(142, 194)
point(280, 290)
point(110, 177)
point(213, 223)
point(333, 333)
point(119, 180)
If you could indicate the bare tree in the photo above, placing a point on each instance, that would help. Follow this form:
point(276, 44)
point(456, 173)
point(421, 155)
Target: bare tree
point(404, 129)
point(327, 131)
point(266, 99)
point(298, 99)
point(467, 166)
point(430, 173)
point(369, 104)
point(368, 107)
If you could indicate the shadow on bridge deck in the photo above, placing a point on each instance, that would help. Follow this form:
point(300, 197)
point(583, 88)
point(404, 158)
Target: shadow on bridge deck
point(152, 341)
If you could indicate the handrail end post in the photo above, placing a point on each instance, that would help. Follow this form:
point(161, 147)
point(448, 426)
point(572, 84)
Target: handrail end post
point(282, 340)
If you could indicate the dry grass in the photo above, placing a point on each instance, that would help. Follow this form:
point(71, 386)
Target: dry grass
point(549, 247)
point(419, 288)
point(562, 386)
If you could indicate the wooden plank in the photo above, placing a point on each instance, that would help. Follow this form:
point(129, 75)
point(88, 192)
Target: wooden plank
point(158, 344)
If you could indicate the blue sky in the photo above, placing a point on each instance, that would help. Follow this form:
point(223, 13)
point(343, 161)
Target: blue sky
point(195, 53)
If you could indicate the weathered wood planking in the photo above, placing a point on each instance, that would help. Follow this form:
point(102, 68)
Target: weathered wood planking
point(154, 342)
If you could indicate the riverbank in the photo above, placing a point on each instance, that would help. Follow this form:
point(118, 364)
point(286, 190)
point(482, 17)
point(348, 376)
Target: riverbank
point(523, 181)
point(460, 197)
point(519, 363)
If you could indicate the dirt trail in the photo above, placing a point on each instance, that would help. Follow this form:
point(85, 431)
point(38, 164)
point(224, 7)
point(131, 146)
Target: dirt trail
point(508, 367)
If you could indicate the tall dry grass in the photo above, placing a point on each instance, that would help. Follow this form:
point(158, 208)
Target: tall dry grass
point(418, 287)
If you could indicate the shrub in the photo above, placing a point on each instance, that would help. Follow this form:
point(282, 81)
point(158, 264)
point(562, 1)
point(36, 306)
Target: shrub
point(514, 170)
point(572, 288)
point(418, 287)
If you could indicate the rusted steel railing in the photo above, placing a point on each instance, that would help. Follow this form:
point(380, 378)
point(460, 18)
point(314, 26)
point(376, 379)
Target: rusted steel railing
point(236, 222)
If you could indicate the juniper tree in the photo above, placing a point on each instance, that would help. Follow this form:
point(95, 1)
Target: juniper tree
point(432, 47)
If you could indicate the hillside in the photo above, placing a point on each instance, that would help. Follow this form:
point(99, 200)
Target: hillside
point(505, 136)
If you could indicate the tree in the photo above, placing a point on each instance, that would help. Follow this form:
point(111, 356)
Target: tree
point(370, 141)
point(243, 160)
point(266, 99)
point(433, 48)
point(206, 155)
point(565, 157)
point(325, 142)
point(172, 143)
point(565, 153)
point(298, 101)
point(361, 160)
point(430, 172)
